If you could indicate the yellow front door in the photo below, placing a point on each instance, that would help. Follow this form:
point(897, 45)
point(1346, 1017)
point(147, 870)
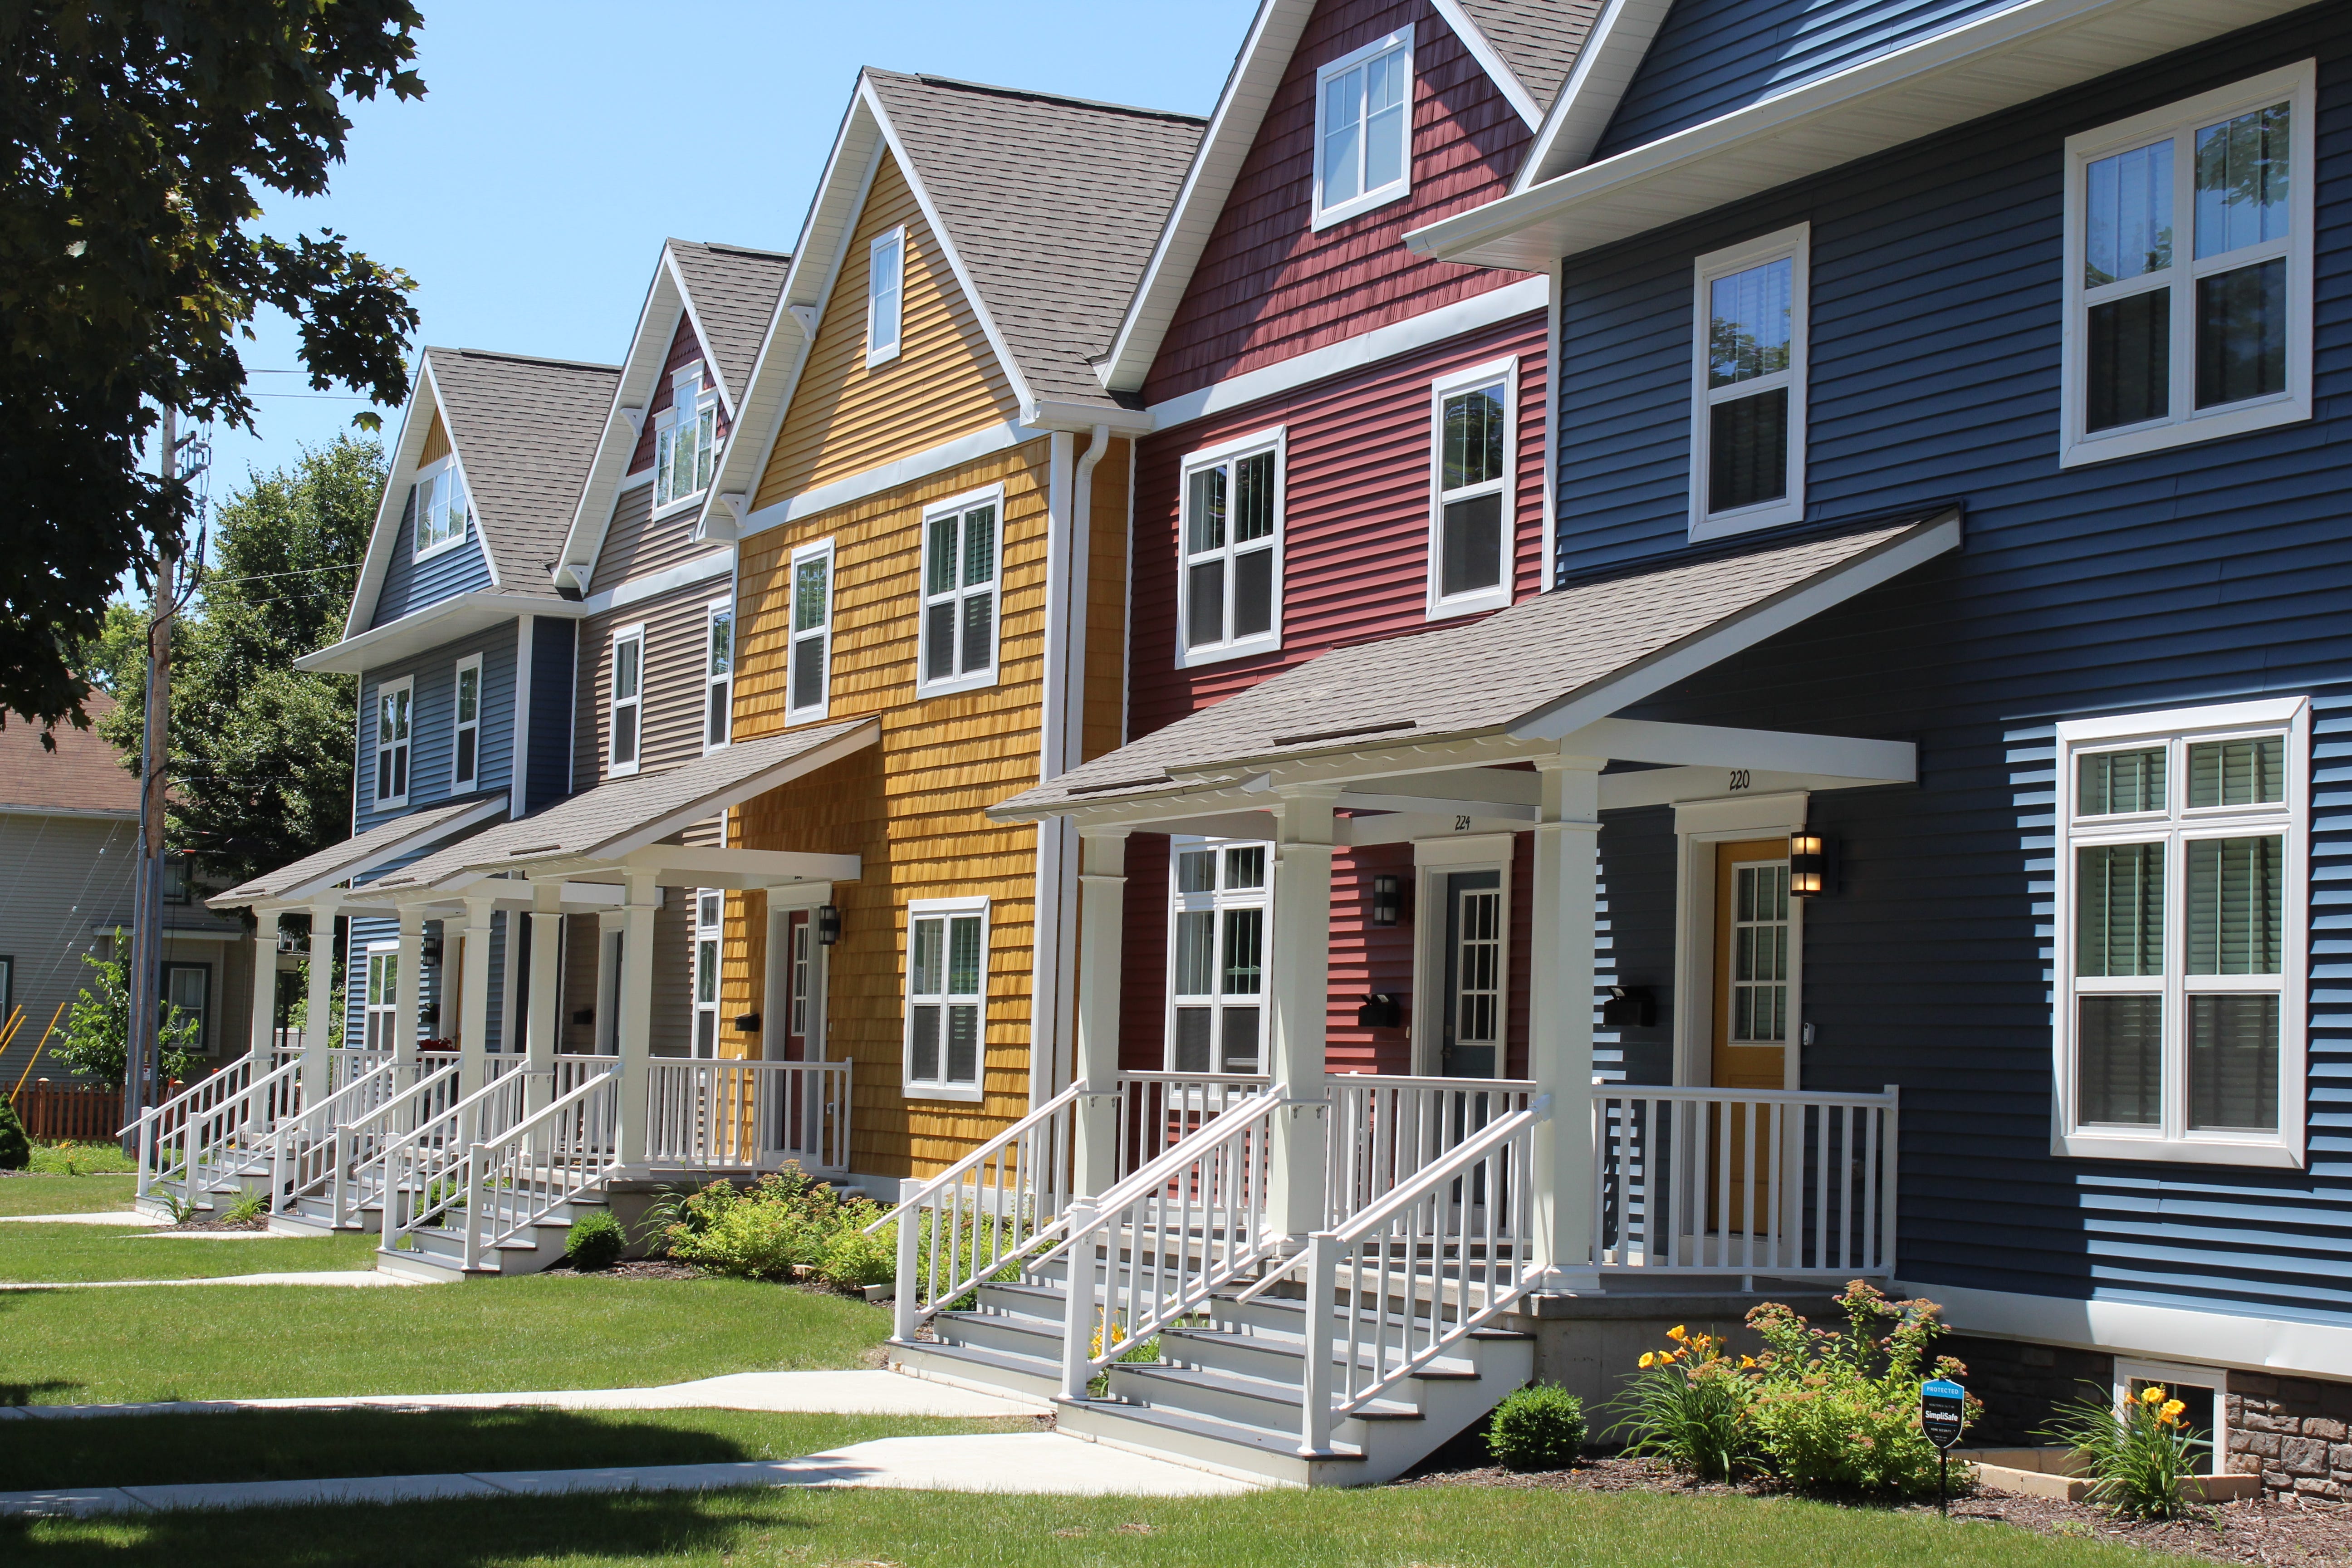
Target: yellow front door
point(1749, 1048)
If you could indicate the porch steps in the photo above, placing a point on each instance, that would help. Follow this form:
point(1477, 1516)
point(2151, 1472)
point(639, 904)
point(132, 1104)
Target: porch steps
point(437, 1255)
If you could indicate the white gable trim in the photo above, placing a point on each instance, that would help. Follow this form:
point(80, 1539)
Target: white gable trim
point(415, 424)
point(701, 338)
point(1604, 68)
point(1483, 51)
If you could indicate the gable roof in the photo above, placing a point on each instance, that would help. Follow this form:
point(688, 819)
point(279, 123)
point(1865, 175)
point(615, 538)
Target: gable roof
point(83, 777)
point(1537, 40)
point(730, 291)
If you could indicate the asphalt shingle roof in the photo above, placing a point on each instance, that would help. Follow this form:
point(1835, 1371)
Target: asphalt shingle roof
point(1538, 39)
point(354, 854)
point(526, 430)
point(733, 289)
point(1054, 204)
point(84, 774)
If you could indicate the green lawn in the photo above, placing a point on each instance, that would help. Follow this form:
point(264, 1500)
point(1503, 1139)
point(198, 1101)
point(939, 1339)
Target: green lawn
point(62, 1159)
point(1440, 1527)
point(63, 1195)
point(30, 1253)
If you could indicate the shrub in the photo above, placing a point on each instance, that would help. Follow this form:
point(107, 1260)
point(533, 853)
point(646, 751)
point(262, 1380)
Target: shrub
point(16, 1148)
point(853, 1260)
point(247, 1209)
point(1688, 1405)
point(98, 1029)
point(1538, 1428)
point(2137, 1457)
point(595, 1241)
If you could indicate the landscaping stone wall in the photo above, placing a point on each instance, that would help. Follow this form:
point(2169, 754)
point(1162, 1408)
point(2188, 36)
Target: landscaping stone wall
point(2021, 1384)
point(2292, 1431)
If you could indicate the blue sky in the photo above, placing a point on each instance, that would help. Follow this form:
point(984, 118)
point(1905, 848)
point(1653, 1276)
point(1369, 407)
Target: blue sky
point(529, 191)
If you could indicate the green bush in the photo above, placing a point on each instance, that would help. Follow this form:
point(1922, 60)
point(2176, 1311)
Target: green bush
point(785, 1219)
point(853, 1260)
point(595, 1240)
point(1689, 1405)
point(1538, 1428)
point(246, 1210)
point(1840, 1412)
point(2137, 1457)
point(16, 1148)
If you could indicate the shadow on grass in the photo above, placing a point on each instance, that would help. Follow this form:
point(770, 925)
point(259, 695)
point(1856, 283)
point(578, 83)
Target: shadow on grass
point(23, 1393)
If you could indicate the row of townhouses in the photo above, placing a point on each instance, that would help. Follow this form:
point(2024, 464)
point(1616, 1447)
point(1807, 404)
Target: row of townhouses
point(1578, 664)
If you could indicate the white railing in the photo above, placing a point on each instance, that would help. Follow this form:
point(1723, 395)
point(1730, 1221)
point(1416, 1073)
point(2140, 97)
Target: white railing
point(1387, 1128)
point(1158, 1245)
point(1747, 1182)
point(518, 1177)
point(426, 1171)
point(571, 1072)
point(1157, 1109)
point(302, 1148)
point(357, 1165)
point(1411, 1276)
point(345, 1063)
point(216, 1127)
point(748, 1114)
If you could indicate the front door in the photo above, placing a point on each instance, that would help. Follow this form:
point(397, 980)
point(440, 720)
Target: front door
point(1472, 1041)
point(1752, 997)
point(800, 934)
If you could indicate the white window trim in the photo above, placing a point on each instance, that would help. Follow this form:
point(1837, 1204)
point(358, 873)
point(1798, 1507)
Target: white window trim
point(458, 726)
point(446, 463)
point(875, 357)
point(705, 393)
point(1438, 605)
point(368, 1009)
point(614, 701)
point(1325, 217)
point(1261, 897)
point(824, 703)
point(699, 933)
point(1275, 438)
point(971, 680)
point(2170, 1373)
point(385, 687)
point(711, 612)
point(2169, 1141)
point(1433, 859)
point(909, 1088)
point(2296, 83)
point(1795, 242)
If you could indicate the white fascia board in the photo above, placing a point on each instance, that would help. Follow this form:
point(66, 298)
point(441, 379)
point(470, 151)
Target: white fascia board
point(1713, 746)
point(415, 420)
point(1060, 414)
point(701, 338)
point(1515, 92)
point(2170, 1333)
point(889, 476)
point(689, 866)
point(1605, 65)
point(1692, 787)
point(1999, 62)
point(438, 622)
point(684, 575)
point(583, 541)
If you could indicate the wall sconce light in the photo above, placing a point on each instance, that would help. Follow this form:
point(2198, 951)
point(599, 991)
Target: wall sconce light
point(429, 950)
point(1630, 1007)
point(1381, 1010)
point(1813, 864)
point(828, 925)
point(746, 1023)
point(1388, 901)
point(584, 1017)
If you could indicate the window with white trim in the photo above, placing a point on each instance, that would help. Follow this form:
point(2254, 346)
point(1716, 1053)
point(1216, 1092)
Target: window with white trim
point(1748, 385)
point(2182, 904)
point(377, 1033)
point(709, 906)
point(466, 733)
point(718, 673)
point(627, 702)
point(811, 659)
point(960, 564)
point(1364, 129)
point(886, 292)
point(1219, 920)
point(2202, 1393)
point(2189, 269)
point(442, 507)
point(1229, 591)
point(1473, 458)
point(947, 1004)
point(395, 706)
point(686, 439)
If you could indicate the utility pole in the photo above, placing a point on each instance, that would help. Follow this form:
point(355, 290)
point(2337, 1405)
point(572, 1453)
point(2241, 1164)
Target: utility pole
point(141, 1076)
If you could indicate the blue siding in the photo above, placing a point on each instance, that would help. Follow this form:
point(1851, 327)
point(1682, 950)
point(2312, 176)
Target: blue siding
point(2213, 573)
point(411, 585)
point(432, 723)
point(367, 931)
point(554, 682)
point(1715, 56)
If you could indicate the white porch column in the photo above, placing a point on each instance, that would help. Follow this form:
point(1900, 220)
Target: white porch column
point(407, 986)
point(265, 987)
point(474, 999)
point(1102, 930)
point(317, 1037)
point(1298, 1000)
point(634, 1023)
point(1560, 1017)
point(544, 1009)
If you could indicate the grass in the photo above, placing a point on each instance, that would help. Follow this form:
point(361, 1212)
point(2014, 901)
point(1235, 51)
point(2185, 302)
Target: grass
point(59, 1193)
point(82, 1253)
point(294, 1445)
point(1443, 1528)
point(85, 1159)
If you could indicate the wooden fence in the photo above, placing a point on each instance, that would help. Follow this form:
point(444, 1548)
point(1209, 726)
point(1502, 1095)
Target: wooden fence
point(54, 1112)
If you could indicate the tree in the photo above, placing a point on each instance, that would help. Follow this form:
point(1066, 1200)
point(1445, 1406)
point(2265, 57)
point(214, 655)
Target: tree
point(98, 1030)
point(139, 134)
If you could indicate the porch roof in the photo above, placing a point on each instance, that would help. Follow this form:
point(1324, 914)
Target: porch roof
point(363, 852)
point(1534, 673)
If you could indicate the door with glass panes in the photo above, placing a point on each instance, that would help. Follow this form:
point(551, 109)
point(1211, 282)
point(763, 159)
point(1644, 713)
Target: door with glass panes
point(1754, 1006)
point(1471, 1041)
point(708, 907)
point(1217, 957)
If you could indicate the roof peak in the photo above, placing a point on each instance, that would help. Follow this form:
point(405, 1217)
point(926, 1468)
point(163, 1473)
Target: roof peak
point(519, 358)
point(1036, 95)
point(725, 249)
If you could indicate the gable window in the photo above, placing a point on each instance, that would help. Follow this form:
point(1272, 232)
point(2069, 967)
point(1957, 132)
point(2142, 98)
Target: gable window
point(1218, 920)
point(2189, 269)
point(686, 438)
point(2182, 906)
point(466, 741)
point(812, 649)
point(1364, 129)
point(959, 583)
point(947, 1005)
point(1747, 394)
point(627, 700)
point(1472, 455)
point(708, 905)
point(718, 674)
point(442, 507)
point(395, 705)
point(885, 290)
point(1230, 591)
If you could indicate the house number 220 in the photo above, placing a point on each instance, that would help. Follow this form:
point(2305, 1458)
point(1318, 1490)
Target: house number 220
point(1740, 779)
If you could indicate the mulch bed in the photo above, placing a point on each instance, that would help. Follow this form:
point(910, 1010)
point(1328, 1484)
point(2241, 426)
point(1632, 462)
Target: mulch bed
point(632, 1268)
point(257, 1223)
point(2260, 1532)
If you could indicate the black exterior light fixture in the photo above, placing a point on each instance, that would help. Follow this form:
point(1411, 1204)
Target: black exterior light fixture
point(1813, 864)
point(828, 925)
point(1388, 901)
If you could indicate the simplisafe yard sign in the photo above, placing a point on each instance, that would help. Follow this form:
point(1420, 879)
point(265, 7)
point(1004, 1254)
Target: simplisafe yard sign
point(1943, 1407)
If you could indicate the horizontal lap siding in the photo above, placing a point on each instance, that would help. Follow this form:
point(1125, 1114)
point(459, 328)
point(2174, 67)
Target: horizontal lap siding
point(554, 692)
point(670, 722)
point(433, 719)
point(635, 545)
point(62, 877)
point(1267, 287)
point(411, 585)
point(685, 348)
point(2210, 573)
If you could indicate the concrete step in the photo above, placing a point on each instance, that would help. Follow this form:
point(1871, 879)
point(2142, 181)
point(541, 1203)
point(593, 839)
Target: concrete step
point(1228, 1448)
point(1254, 1402)
point(1024, 1337)
point(971, 1366)
point(1278, 1358)
point(432, 1269)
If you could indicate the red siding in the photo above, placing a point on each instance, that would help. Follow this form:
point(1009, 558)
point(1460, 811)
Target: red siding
point(685, 348)
point(1267, 287)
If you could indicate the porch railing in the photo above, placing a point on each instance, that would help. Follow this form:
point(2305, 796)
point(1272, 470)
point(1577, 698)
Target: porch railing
point(356, 1169)
point(571, 1072)
point(303, 1147)
point(518, 1177)
point(1156, 1109)
point(217, 1127)
point(741, 1114)
point(427, 1171)
point(1387, 1128)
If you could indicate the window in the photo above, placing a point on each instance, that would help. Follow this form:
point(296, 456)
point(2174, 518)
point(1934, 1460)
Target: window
point(1472, 455)
point(685, 437)
point(628, 667)
point(382, 981)
point(8, 985)
point(175, 880)
point(959, 583)
point(2189, 271)
point(465, 744)
point(708, 907)
point(1218, 899)
point(1231, 586)
point(886, 288)
point(2181, 902)
point(1748, 397)
point(188, 989)
point(1364, 129)
point(718, 674)
point(947, 976)
point(812, 650)
point(395, 700)
point(2203, 1393)
point(797, 986)
point(442, 511)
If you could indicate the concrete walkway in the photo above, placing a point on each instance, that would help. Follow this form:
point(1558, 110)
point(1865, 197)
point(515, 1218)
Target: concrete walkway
point(363, 1279)
point(103, 1216)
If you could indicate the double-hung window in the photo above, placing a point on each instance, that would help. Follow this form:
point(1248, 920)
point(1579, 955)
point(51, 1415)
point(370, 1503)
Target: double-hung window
point(947, 1003)
point(718, 674)
point(1364, 129)
point(960, 590)
point(709, 906)
point(396, 702)
point(1230, 590)
point(686, 439)
point(2189, 267)
point(1473, 455)
point(810, 657)
point(378, 1031)
point(1748, 386)
point(2182, 905)
point(1219, 903)
point(442, 510)
point(627, 700)
point(466, 738)
point(885, 294)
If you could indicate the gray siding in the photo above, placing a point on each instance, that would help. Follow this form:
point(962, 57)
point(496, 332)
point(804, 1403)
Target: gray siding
point(411, 585)
point(672, 721)
point(636, 546)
